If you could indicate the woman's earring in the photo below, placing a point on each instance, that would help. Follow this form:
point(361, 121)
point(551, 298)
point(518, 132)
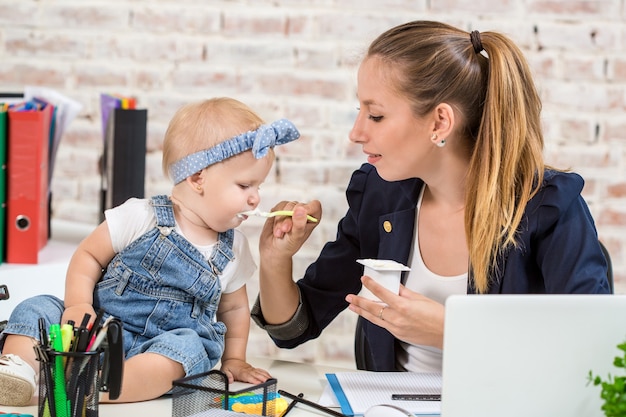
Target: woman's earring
point(439, 144)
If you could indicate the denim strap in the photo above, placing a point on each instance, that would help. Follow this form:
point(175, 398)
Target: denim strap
point(223, 249)
point(164, 211)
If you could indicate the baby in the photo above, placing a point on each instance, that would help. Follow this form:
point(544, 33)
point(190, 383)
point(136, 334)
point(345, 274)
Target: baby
point(172, 268)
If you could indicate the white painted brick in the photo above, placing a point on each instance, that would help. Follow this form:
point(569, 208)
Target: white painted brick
point(295, 59)
point(580, 37)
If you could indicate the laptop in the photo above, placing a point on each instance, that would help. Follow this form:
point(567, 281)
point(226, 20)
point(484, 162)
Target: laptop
point(529, 355)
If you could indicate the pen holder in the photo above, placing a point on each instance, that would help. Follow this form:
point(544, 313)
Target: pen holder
point(69, 384)
point(196, 394)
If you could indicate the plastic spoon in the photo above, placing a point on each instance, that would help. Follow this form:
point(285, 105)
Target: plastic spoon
point(257, 212)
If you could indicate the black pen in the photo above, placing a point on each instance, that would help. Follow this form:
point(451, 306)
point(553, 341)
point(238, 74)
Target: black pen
point(416, 397)
point(311, 404)
point(43, 335)
point(95, 326)
point(81, 336)
point(85, 322)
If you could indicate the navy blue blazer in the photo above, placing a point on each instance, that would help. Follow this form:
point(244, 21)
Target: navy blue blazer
point(558, 253)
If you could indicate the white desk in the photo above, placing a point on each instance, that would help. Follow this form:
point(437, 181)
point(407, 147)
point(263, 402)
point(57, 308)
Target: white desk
point(292, 377)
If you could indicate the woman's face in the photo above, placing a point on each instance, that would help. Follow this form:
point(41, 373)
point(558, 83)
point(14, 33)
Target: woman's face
point(395, 141)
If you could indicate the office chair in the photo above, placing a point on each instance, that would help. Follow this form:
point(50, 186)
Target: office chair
point(359, 342)
point(360, 355)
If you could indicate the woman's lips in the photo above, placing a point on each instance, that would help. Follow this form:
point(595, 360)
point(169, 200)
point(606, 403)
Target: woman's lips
point(372, 158)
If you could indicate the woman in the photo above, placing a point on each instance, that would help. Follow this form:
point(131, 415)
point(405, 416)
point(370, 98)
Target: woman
point(455, 187)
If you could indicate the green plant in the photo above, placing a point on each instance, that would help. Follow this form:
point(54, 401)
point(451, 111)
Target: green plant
point(613, 388)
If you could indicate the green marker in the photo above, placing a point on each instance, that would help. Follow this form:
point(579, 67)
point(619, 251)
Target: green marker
point(60, 395)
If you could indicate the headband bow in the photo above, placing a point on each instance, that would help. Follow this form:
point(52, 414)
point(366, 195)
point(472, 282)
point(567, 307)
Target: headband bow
point(260, 141)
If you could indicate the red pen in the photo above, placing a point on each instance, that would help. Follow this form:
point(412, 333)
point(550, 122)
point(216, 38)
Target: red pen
point(99, 338)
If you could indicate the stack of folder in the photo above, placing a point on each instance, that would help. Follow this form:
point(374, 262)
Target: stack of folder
point(123, 162)
point(31, 125)
point(3, 176)
point(27, 180)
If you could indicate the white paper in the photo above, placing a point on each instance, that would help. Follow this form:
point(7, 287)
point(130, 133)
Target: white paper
point(363, 390)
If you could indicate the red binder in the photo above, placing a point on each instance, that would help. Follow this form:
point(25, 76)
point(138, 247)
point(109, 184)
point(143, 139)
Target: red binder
point(27, 184)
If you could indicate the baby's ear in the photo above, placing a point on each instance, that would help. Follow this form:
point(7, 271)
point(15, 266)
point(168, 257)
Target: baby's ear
point(195, 181)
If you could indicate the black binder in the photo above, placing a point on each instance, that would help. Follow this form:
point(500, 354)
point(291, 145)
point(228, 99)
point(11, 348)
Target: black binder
point(124, 157)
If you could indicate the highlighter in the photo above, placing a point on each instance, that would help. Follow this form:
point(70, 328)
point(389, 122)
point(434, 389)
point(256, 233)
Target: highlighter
point(67, 332)
point(60, 395)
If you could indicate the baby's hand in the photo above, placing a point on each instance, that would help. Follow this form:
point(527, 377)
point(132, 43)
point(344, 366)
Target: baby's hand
point(77, 312)
point(238, 370)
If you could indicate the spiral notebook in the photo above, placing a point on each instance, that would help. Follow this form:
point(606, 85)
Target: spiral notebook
point(358, 391)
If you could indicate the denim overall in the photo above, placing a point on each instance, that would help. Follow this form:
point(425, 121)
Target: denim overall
point(162, 289)
point(167, 294)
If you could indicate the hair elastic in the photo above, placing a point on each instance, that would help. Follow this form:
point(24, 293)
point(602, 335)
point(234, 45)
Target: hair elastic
point(476, 42)
point(260, 141)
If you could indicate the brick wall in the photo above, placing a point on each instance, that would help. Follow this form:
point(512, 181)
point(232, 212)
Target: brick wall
point(297, 59)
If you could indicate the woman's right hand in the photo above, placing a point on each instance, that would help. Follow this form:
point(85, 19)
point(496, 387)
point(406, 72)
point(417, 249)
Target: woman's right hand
point(284, 235)
point(280, 239)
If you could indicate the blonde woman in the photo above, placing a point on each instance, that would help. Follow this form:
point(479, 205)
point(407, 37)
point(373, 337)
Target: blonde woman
point(455, 187)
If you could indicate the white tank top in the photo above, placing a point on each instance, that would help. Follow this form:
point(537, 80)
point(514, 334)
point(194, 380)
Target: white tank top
point(418, 358)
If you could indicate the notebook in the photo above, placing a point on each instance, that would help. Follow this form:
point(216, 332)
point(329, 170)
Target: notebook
point(529, 355)
point(356, 392)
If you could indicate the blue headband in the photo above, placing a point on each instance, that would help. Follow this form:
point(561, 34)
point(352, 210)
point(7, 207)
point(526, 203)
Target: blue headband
point(260, 141)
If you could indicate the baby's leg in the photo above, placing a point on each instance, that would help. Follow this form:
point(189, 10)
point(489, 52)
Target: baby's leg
point(18, 366)
point(18, 371)
point(22, 346)
point(147, 376)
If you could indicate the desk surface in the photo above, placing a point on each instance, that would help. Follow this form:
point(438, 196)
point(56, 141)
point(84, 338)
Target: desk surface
point(292, 377)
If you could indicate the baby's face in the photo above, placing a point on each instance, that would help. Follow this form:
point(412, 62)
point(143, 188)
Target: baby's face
point(232, 186)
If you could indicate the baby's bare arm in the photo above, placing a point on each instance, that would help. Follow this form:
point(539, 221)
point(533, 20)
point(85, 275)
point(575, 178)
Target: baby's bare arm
point(234, 312)
point(84, 271)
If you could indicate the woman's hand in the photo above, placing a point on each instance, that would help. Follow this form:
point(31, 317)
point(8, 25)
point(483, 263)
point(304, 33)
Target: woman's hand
point(409, 316)
point(284, 235)
point(280, 239)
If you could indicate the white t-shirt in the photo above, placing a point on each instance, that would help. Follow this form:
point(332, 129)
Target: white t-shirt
point(418, 358)
point(135, 217)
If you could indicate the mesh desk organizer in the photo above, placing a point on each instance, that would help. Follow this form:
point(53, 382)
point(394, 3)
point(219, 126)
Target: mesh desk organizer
point(4, 295)
point(195, 394)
